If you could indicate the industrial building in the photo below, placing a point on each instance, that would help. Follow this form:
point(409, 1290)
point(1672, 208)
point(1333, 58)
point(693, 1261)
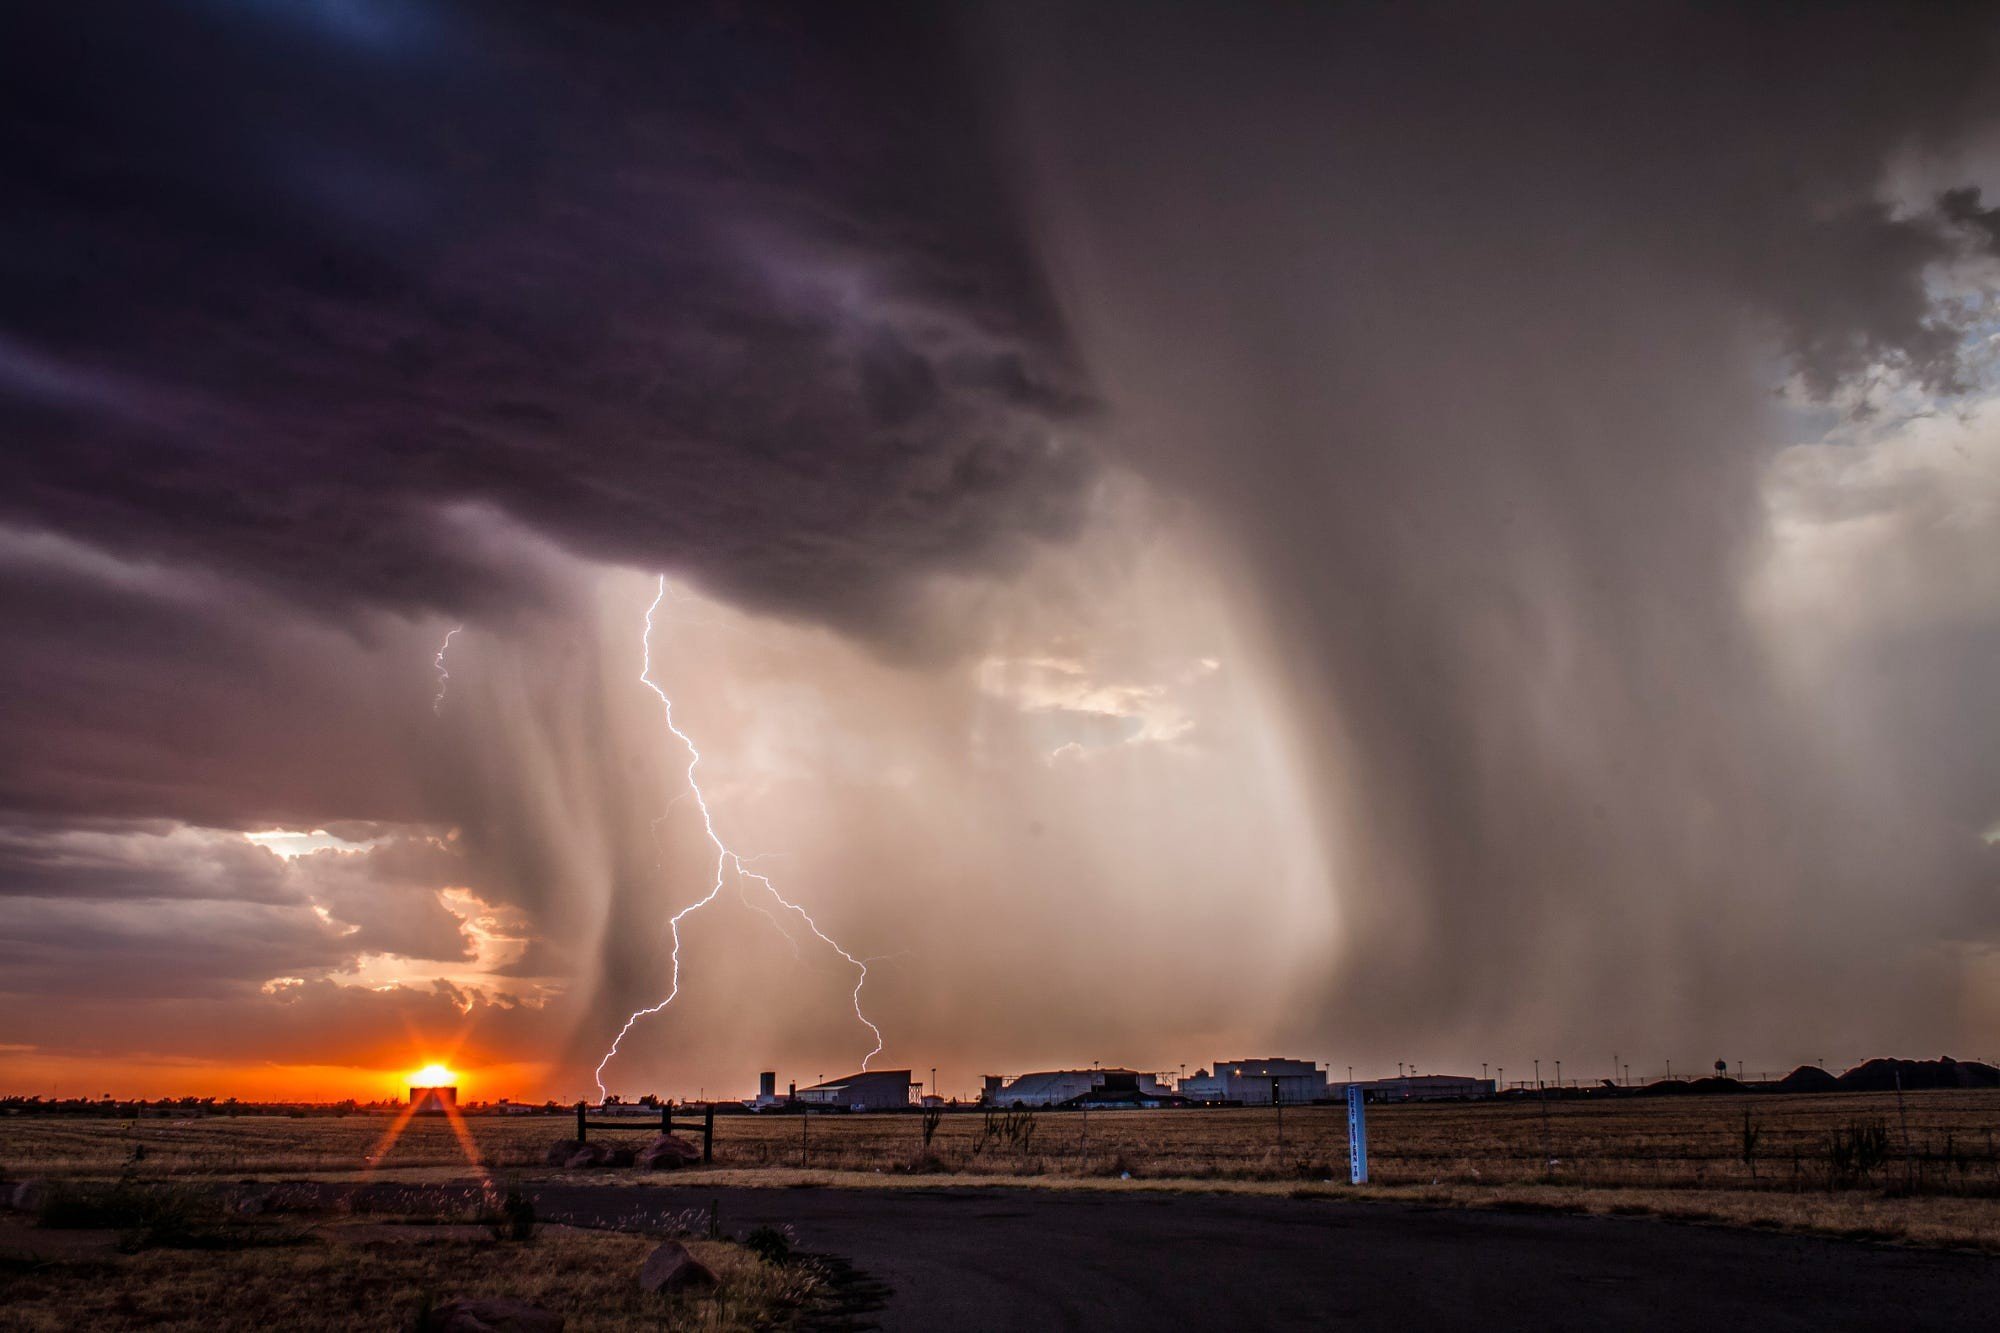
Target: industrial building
point(1421, 1088)
point(1063, 1087)
point(433, 1101)
point(1252, 1082)
point(877, 1090)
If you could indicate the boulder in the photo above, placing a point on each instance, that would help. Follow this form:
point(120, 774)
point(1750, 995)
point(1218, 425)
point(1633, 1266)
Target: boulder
point(667, 1153)
point(28, 1196)
point(493, 1315)
point(561, 1151)
point(672, 1270)
point(587, 1155)
point(620, 1156)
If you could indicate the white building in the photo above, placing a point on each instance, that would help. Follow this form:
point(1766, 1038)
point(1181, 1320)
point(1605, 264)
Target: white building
point(1250, 1082)
point(876, 1090)
point(1058, 1087)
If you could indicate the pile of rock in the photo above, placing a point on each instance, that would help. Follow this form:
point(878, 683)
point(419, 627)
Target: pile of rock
point(576, 1155)
point(665, 1152)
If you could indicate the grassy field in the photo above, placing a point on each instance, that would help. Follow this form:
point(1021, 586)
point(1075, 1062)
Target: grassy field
point(125, 1255)
point(1922, 1168)
point(1952, 1140)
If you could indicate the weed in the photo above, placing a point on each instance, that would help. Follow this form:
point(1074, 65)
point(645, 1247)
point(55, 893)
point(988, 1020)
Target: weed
point(771, 1244)
point(511, 1218)
point(1855, 1151)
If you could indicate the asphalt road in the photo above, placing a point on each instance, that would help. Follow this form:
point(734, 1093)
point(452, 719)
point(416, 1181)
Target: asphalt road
point(1045, 1259)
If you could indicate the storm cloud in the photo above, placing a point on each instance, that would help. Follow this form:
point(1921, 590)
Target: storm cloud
point(296, 296)
point(1424, 531)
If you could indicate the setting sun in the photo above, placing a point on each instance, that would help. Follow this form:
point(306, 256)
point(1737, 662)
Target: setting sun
point(433, 1076)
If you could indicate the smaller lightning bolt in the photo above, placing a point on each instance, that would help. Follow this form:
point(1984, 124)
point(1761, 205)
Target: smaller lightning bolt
point(444, 677)
point(726, 860)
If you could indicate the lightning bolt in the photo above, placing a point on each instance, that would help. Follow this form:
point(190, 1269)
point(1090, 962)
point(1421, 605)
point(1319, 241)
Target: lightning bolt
point(444, 677)
point(726, 861)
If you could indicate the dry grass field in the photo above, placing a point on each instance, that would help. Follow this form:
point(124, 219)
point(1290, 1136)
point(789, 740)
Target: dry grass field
point(1953, 1142)
point(1923, 1167)
point(174, 1256)
point(328, 1282)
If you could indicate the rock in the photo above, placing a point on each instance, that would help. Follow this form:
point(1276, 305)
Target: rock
point(252, 1205)
point(588, 1155)
point(671, 1269)
point(493, 1315)
point(28, 1196)
point(619, 1157)
point(666, 1153)
point(561, 1151)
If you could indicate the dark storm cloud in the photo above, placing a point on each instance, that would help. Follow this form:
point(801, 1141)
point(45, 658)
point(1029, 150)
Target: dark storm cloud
point(731, 294)
point(1462, 323)
point(1455, 326)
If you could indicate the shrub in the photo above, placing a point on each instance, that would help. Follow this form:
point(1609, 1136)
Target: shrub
point(513, 1218)
point(926, 1163)
point(770, 1244)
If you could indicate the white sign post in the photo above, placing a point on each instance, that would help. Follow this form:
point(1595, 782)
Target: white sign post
point(1357, 1136)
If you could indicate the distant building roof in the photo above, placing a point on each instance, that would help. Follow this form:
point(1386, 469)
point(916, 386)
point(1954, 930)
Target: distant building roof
point(867, 1078)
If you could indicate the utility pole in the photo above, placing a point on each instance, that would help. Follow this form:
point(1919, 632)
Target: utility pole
point(1538, 1074)
point(1559, 1075)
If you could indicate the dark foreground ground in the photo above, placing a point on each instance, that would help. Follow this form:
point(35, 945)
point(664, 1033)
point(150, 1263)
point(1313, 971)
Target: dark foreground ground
point(1059, 1260)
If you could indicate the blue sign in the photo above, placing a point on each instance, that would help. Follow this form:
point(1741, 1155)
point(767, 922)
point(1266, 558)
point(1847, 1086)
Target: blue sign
point(1357, 1136)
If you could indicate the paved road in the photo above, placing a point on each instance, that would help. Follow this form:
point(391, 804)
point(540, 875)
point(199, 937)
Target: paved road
point(980, 1259)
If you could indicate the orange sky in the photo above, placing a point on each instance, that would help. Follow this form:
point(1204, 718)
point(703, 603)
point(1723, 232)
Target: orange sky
point(37, 1073)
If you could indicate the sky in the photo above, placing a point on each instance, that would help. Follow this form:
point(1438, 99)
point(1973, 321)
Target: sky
point(1428, 534)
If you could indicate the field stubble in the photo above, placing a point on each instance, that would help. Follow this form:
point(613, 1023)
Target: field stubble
point(1922, 1167)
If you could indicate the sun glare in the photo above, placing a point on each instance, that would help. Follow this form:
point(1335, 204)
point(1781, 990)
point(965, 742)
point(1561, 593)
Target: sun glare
point(433, 1076)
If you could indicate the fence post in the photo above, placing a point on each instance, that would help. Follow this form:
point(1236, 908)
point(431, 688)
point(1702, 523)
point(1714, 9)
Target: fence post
point(708, 1135)
point(666, 1117)
point(1357, 1136)
point(581, 1127)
